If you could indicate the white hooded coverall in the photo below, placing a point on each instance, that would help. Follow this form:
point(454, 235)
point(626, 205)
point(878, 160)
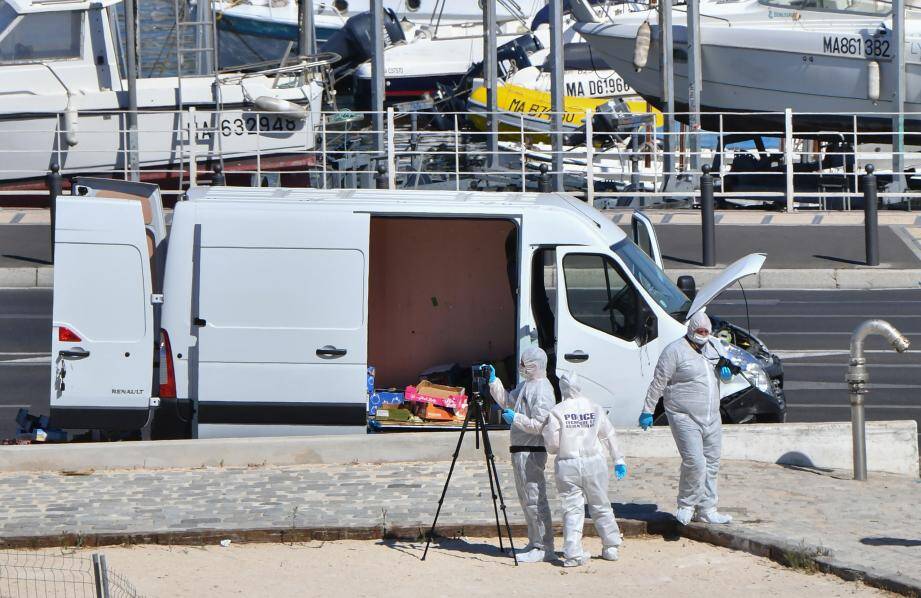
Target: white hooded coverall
point(579, 433)
point(686, 380)
point(531, 401)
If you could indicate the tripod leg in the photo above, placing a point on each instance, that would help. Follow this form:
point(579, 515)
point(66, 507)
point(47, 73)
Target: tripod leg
point(444, 491)
point(481, 428)
point(494, 473)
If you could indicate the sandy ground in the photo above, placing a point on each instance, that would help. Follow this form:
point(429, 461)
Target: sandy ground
point(464, 568)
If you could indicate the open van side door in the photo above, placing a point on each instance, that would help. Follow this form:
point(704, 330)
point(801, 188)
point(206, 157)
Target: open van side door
point(106, 248)
point(644, 235)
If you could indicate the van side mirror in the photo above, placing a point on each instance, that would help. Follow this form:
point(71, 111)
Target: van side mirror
point(646, 323)
point(688, 286)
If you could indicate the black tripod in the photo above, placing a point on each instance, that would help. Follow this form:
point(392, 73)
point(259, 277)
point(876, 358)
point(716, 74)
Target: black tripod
point(476, 410)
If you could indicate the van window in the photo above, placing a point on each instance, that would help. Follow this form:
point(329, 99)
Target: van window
point(303, 288)
point(599, 296)
point(662, 290)
point(43, 36)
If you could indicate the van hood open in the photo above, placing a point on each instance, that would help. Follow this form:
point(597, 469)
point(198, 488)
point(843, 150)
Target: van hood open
point(739, 269)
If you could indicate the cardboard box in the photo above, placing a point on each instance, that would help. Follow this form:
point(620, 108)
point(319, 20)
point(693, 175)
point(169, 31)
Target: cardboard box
point(382, 398)
point(451, 397)
point(393, 414)
point(430, 412)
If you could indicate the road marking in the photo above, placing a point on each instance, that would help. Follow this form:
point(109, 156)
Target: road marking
point(873, 316)
point(15, 406)
point(821, 333)
point(25, 317)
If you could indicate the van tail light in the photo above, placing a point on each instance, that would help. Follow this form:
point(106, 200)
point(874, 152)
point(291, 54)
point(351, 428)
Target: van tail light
point(66, 335)
point(167, 371)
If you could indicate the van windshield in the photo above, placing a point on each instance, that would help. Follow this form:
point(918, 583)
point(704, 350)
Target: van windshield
point(647, 273)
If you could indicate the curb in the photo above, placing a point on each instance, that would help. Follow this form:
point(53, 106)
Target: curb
point(779, 278)
point(733, 538)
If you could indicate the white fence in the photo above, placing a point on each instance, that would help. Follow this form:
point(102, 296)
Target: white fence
point(783, 159)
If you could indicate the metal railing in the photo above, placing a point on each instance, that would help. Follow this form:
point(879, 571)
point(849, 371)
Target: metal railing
point(25, 574)
point(609, 159)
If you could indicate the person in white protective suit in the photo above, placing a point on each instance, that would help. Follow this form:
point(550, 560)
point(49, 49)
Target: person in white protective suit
point(579, 432)
point(526, 409)
point(686, 379)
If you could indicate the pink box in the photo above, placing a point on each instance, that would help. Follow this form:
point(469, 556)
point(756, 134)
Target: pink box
point(435, 394)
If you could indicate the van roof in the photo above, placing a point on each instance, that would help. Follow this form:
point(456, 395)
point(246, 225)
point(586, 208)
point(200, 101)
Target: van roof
point(411, 201)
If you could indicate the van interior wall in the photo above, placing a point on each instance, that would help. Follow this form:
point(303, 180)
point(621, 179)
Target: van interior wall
point(439, 293)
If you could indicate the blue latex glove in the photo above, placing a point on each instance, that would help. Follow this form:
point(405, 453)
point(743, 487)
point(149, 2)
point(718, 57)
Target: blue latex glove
point(620, 471)
point(492, 374)
point(509, 416)
point(645, 420)
point(725, 374)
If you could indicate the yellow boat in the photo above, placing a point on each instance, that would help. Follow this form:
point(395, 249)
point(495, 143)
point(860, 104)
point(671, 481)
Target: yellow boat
point(528, 108)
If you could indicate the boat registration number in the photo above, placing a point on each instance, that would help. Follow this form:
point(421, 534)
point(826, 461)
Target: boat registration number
point(246, 125)
point(847, 45)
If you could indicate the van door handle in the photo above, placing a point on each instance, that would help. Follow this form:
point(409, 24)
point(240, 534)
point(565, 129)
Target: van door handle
point(199, 322)
point(330, 351)
point(577, 357)
point(74, 354)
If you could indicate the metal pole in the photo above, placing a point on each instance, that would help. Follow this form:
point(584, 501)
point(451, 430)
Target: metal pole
point(391, 152)
point(490, 77)
point(694, 81)
point(900, 94)
point(857, 379)
point(132, 81)
point(100, 576)
point(589, 158)
point(308, 40)
point(870, 220)
point(206, 43)
point(54, 191)
point(377, 74)
point(707, 220)
point(557, 105)
point(666, 45)
point(788, 156)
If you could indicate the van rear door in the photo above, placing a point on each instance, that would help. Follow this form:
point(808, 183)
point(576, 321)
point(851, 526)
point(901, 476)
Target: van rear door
point(103, 319)
point(279, 308)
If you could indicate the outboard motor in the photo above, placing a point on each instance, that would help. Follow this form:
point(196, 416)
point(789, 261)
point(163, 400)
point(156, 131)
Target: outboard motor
point(355, 43)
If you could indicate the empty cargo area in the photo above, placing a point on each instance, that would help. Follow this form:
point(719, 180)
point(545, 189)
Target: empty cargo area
point(441, 291)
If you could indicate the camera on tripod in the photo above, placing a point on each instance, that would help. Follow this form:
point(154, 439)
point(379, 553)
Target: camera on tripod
point(480, 375)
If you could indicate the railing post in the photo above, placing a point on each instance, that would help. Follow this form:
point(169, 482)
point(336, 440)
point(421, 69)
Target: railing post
point(870, 219)
point(382, 180)
point(788, 155)
point(589, 159)
point(100, 576)
point(707, 224)
point(391, 159)
point(193, 154)
point(54, 190)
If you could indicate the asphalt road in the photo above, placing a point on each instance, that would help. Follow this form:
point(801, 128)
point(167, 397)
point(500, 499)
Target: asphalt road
point(809, 329)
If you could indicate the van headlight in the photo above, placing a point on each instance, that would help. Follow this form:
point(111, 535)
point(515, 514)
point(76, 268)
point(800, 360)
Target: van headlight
point(749, 366)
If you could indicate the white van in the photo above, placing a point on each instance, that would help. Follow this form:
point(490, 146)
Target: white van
point(270, 304)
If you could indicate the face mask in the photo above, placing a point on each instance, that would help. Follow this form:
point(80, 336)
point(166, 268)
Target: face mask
point(522, 371)
point(699, 339)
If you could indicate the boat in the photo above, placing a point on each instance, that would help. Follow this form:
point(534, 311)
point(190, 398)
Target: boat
point(278, 19)
point(829, 62)
point(64, 99)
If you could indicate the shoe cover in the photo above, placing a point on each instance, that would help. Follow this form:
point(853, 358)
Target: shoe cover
point(576, 562)
point(683, 515)
point(610, 553)
point(532, 556)
point(713, 517)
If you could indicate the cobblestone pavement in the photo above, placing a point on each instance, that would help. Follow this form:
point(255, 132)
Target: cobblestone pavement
point(873, 527)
